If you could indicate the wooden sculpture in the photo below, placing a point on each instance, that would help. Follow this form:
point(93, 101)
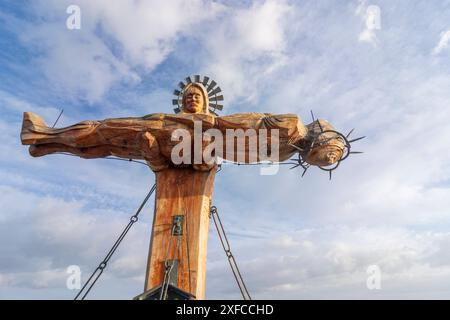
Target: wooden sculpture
point(183, 189)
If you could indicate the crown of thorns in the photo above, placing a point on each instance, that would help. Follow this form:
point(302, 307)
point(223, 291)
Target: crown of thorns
point(318, 142)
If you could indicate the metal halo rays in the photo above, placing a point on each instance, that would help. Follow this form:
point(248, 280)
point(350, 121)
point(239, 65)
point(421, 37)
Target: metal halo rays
point(214, 96)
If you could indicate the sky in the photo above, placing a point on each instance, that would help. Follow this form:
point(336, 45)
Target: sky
point(381, 67)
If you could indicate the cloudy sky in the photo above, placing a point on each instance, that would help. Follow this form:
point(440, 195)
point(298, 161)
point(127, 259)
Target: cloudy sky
point(382, 67)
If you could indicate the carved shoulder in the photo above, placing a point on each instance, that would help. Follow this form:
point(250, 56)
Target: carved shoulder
point(258, 121)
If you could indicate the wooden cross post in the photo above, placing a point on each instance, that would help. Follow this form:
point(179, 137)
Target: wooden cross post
point(181, 192)
point(184, 190)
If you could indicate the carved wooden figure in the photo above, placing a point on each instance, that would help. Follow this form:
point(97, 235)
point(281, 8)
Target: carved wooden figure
point(182, 189)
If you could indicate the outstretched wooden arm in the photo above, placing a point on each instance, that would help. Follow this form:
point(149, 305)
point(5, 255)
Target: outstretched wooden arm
point(150, 137)
point(128, 138)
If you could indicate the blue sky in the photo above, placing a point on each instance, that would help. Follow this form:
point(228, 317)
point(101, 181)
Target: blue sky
point(293, 238)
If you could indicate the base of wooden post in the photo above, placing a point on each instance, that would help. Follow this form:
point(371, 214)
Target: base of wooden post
point(186, 192)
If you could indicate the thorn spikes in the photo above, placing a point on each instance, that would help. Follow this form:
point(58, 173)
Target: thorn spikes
point(298, 148)
point(350, 141)
point(314, 120)
point(308, 149)
point(320, 126)
point(348, 134)
point(304, 171)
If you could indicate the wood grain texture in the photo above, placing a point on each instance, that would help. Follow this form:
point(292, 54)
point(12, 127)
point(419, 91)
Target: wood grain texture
point(188, 192)
point(150, 137)
point(181, 189)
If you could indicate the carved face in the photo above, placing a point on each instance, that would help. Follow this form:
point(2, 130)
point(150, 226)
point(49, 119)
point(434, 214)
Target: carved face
point(327, 154)
point(193, 100)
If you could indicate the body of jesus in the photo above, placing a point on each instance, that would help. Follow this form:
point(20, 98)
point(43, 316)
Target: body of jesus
point(151, 137)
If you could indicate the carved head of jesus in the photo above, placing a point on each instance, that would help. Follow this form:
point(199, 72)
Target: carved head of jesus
point(327, 154)
point(195, 99)
point(327, 147)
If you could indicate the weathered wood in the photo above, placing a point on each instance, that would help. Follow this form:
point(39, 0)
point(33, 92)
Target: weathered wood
point(150, 137)
point(187, 192)
point(186, 188)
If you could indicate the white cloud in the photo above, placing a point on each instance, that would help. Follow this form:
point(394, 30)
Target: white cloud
point(247, 46)
point(443, 43)
point(371, 17)
point(115, 42)
point(292, 237)
point(39, 279)
point(61, 233)
point(121, 42)
point(331, 262)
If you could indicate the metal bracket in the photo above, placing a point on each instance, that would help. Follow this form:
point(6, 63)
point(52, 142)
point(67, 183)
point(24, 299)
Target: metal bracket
point(173, 274)
point(177, 225)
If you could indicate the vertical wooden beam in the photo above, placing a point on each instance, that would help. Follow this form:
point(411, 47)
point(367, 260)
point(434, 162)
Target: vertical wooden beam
point(181, 191)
